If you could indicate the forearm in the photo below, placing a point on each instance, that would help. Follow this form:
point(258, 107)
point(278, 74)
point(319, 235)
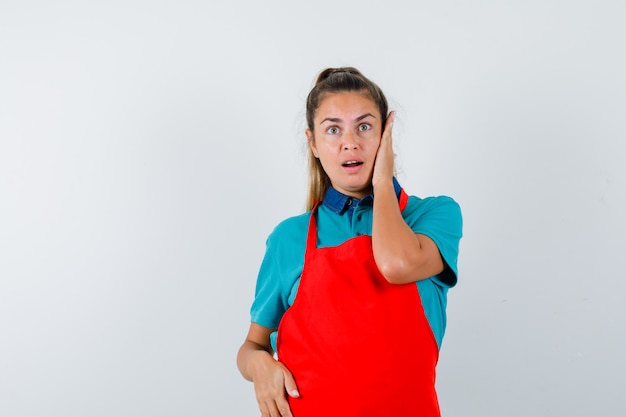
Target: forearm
point(396, 248)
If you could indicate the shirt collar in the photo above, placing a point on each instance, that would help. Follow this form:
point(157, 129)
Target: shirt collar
point(339, 202)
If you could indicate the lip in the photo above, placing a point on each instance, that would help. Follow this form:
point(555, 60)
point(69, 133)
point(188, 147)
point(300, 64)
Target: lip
point(355, 165)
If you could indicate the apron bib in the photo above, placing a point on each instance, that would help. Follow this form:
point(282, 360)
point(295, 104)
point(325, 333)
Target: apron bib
point(357, 345)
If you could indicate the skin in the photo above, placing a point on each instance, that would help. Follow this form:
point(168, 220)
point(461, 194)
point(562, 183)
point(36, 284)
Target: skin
point(348, 127)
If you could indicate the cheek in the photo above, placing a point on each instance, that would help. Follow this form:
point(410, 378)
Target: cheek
point(327, 146)
point(374, 141)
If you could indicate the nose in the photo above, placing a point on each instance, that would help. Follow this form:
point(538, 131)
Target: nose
point(349, 141)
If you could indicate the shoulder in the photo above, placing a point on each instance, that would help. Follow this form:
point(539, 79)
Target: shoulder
point(438, 206)
point(290, 230)
point(438, 218)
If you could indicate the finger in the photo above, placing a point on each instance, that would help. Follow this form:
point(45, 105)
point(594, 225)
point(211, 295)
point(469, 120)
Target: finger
point(280, 409)
point(389, 122)
point(276, 406)
point(283, 409)
point(264, 410)
point(270, 411)
point(290, 385)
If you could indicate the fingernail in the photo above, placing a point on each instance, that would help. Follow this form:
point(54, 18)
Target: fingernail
point(295, 393)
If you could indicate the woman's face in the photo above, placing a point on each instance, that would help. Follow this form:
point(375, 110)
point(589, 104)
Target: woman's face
point(347, 132)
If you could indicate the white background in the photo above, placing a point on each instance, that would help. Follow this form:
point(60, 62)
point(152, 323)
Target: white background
point(147, 149)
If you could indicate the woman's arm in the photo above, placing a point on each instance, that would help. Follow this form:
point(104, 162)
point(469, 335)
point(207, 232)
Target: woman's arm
point(401, 255)
point(271, 378)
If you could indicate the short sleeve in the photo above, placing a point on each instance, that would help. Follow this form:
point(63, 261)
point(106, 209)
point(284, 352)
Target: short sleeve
point(279, 272)
point(268, 306)
point(440, 219)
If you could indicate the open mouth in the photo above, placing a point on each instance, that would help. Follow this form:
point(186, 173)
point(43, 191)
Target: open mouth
point(350, 164)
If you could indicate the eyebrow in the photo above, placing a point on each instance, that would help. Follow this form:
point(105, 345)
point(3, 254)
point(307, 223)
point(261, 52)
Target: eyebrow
point(337, 120)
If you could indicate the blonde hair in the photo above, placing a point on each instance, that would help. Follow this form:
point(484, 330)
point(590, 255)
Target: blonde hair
point(334, 80)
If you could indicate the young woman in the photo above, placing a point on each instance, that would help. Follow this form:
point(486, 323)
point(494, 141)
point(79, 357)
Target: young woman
point(349, 311)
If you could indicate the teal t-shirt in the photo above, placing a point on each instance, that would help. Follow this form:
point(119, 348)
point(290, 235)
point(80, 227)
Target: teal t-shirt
point(340, 218)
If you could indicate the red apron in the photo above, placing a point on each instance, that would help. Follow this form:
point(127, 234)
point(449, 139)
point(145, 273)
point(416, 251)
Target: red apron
point(357, 345)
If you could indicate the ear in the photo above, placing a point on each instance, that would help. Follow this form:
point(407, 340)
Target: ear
point(310, 137)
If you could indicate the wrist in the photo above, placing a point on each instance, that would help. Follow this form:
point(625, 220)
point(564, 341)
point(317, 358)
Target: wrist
point(383, 184)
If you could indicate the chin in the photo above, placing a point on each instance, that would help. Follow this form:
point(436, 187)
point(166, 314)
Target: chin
point(362, 191)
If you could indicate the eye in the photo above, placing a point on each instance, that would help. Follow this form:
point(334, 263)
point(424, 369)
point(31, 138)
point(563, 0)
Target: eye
point(333, 130)
point(364, 127)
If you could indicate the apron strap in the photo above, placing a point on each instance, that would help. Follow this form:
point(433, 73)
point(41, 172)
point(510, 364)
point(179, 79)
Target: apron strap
point(403, 199)
point(311, 240)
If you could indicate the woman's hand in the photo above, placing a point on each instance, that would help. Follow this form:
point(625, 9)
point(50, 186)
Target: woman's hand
point(383, 166)
point(402, 256)
point(272, 381)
